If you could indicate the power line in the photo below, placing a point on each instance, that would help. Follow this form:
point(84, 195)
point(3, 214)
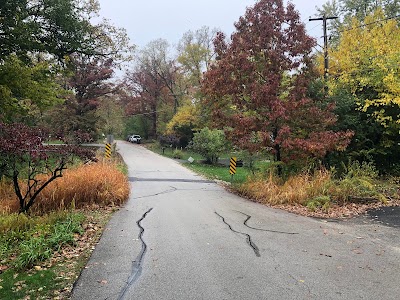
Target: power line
point(316, 49)
point(363, 25)
point(305, 19)
point(313, 27)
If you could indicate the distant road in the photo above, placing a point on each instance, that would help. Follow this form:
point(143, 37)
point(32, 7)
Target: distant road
point(181, 236)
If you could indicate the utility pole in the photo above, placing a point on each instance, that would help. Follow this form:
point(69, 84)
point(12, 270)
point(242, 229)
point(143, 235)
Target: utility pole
point(326, 61)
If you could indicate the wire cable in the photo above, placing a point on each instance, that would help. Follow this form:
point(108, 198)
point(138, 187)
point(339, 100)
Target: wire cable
point(364, 25)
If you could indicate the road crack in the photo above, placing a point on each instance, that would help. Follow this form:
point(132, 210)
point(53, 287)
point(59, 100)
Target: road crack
point(261, 229)
point(137, 263)
point(173, 189)
point(248, 237)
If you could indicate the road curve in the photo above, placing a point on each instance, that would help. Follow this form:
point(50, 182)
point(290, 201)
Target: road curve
point(181, 236)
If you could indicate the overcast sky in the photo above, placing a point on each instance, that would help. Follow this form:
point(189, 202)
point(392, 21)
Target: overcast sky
point(147, 20)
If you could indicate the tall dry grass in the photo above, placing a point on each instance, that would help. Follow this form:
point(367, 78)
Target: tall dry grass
point(298, 189)
point(8, 200)
point(93, 184)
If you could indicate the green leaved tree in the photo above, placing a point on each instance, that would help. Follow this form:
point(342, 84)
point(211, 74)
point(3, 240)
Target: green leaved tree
point(210, 144)
point(365, 80)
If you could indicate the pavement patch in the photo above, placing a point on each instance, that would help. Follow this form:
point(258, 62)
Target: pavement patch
point(389, 216)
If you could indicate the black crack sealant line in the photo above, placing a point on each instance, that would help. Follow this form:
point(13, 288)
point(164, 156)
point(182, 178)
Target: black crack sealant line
point(171, 190)
point(248, 237)
point(137, 263)
point(261, 229)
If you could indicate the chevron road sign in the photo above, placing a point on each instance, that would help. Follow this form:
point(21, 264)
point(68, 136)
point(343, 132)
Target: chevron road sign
point(232, 165)
point(107, 152)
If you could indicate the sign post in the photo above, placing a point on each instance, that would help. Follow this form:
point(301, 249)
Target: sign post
point(110, 138)
point(232, 167)
point(107, 152)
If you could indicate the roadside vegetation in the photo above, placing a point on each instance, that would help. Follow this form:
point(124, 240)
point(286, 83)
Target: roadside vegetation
point(316, 192)
point(315, 141)
point(43, 252)
point(324, 193)
point(330, 136)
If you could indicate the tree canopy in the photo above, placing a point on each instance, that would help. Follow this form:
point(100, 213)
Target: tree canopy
point(364, 81)
point(346, 10)
point(257, 88)
point(57, 27)
point(50, 52)
point(27, 90)
point(366, 62)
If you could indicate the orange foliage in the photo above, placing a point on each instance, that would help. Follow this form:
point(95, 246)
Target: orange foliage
point(8, 200)
point(93, 184)
point(296, 190)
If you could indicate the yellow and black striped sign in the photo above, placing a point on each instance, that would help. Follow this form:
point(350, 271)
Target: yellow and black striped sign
point(107, 152)
point(232, 165)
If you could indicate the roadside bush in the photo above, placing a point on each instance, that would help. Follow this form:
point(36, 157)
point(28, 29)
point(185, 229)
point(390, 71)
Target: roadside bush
point(31, 164)
point(98, 183)
point(320, 202)
point(209, 143)
point(92, 184)
point(295, 190)
point(170, 140)
point(178, 154)
point(359, 182)
point(366, 170)
point(318, 190)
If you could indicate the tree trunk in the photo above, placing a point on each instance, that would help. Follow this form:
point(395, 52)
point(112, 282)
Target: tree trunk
point(278, 159)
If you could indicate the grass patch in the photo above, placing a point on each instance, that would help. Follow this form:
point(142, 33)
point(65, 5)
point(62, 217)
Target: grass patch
point(298, 189)
point(220, 172)
point(48, 274)
point(320, 192)
point(217, 171)
point(27, 241)
point(320, 202)
point(172, 152)
point(35, 285)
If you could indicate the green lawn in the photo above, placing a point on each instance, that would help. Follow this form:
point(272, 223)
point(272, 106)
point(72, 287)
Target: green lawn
point(220, 172)
point(169, 152)
point(35, 284)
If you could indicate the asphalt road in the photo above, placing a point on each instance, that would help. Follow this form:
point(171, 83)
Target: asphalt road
point(181, 236)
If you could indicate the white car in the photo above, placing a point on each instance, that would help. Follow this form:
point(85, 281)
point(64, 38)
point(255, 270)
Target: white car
point(135, 139)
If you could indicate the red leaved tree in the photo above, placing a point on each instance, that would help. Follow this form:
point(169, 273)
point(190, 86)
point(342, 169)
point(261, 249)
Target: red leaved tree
point(151, 86)
point(31, 164)
point(89, 82)
point(257, 88)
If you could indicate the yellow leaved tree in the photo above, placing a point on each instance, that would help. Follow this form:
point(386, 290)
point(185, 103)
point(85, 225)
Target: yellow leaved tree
point(366, 62)
point(187, 115)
